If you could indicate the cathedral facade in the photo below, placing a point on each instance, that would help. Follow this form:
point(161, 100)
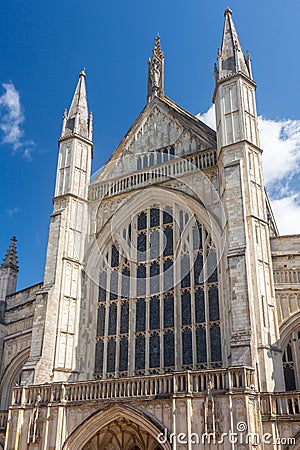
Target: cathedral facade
point(169, 313)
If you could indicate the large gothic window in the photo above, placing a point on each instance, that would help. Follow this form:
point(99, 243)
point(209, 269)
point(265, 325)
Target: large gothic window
point(291, 362)
point(158, 301)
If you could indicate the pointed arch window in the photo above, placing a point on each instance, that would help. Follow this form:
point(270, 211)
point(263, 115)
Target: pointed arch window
point(159, 310)
point(291, 362)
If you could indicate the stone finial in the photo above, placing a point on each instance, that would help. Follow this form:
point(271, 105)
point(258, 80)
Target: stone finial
point(227, 11)
point(11, 260)
point(156, 71)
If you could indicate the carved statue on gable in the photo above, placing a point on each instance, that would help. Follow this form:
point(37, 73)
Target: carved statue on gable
point(156, 71)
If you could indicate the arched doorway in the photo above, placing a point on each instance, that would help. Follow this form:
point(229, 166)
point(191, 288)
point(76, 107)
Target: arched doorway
point(11, 377)
point(118, 427)
point(122, 434)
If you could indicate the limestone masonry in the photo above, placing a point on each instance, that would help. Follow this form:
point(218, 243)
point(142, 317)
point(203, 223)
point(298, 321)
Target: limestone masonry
point(169, 313)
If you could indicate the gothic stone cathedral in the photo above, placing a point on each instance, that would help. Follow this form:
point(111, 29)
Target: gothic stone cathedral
point(169, 314)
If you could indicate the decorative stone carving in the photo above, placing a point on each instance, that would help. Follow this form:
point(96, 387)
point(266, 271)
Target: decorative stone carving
point(35, 423)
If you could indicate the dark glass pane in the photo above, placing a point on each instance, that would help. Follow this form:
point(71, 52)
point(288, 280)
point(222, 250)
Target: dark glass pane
point(187, 355)
point(215, 343)
point(168, 275)
point(197, 237)
point(142, 221)
point(169, 350)
point(125, 282)
point(139, 352)
point(102, 287)
point(212, 267)
point(124, 317)
point(112, 321)
point(154, 217)
point(154, 313)
point(139, 163)
point(172, 151)
point(198, 270)
point(99, 357)
point(154, 351)
point(154, 274)
point(154, 244)
point(167, 215)
point(289, 378)
point(113, 285)
point(151, 159)
point(145, 162)
point(169, 310)
point(199, 306)
point(141, 244)
point(141, 281)
point(185, 272)
point(102, 294)
point(213, 296)
point(168, 250)
point(186, 308)
point(123, 362)
point(101, 320)
point(201, 345)
point(159, 158)
point(129, 233)
point(140, 315)
point(111, 355)
point(289, 352)
point(114, 256)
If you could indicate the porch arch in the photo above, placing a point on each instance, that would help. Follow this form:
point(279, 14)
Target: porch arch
point(11, 376)
point(107, 415)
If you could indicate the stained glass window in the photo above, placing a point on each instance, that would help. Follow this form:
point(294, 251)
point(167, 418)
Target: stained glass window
point(169, 290)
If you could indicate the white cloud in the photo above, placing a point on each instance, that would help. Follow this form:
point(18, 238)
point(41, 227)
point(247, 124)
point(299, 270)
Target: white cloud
point(287, 214)
point(209, 117)
point(11, 212)
point(280, 141)
point(11, 120)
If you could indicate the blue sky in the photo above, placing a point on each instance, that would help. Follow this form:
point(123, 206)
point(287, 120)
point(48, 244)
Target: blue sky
point(44, 45)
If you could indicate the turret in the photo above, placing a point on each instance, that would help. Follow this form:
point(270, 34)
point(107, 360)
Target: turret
point(253, 330)
point(55, 326)
point(234, 95)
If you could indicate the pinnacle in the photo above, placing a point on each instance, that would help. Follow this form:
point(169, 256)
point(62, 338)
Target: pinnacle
point(11, 260)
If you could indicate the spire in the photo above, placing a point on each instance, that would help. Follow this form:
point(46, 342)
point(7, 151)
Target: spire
point(156, 71)
point(76, 121)
point(231, 58)
point(11, 261)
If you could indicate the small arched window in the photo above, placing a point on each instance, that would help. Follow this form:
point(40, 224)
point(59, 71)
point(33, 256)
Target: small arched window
point(291, 362)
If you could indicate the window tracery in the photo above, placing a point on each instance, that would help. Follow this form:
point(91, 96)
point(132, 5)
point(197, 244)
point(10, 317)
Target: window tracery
point(158, 310)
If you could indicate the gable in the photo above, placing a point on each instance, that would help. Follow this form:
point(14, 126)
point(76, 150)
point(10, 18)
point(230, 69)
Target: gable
point(162, 124)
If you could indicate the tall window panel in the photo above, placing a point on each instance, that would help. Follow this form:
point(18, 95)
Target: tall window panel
point(158, 302)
